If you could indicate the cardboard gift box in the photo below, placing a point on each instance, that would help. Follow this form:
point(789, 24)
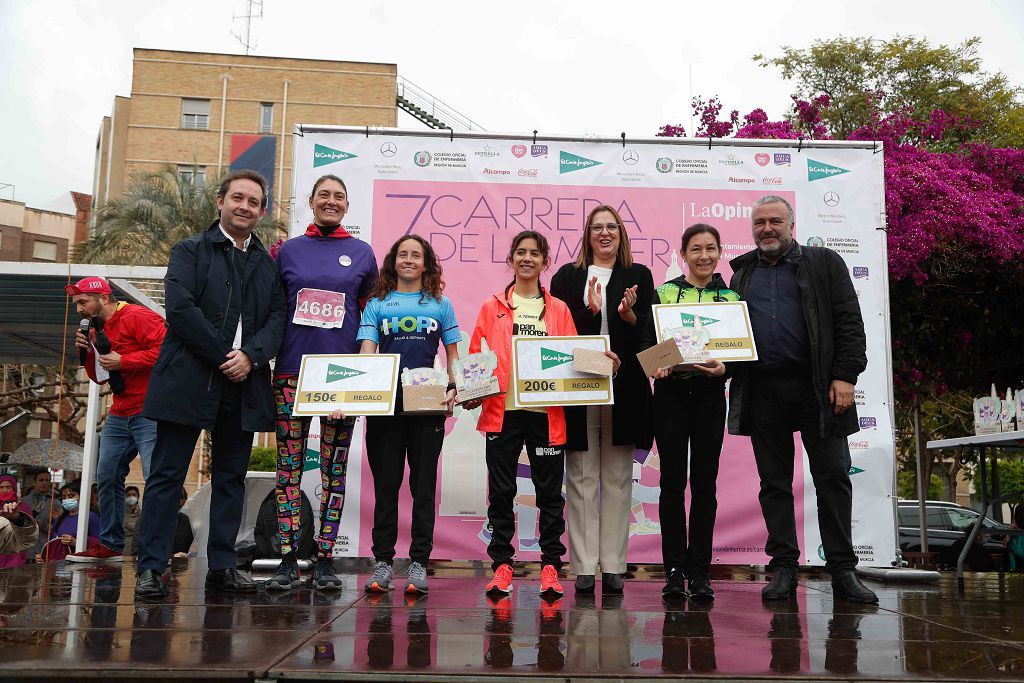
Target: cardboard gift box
point(423, 399)
point(663, 355)
point(592, 362)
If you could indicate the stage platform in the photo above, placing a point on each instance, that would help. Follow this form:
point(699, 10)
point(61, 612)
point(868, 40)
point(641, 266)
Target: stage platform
point(78, 623)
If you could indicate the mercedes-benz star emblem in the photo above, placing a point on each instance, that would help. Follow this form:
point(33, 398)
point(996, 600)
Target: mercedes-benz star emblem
point(630, 157)
point(388, 149)
point(831, 199)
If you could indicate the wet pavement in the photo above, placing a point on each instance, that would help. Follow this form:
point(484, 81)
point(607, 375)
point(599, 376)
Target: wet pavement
point(76, 622)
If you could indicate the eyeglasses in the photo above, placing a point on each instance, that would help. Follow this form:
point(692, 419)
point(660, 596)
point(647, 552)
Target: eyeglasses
point(611, 228)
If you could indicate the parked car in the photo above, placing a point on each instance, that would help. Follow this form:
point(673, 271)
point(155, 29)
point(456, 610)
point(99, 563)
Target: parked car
point(948, 523)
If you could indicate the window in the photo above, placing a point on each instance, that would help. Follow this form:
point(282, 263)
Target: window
point(962, 520)
point(194, 175)
point(44, 251)
point(266, 117)
point(937, 519)
point(195, 114)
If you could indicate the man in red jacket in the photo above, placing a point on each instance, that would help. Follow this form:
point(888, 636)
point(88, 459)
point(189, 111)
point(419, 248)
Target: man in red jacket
point(135, 335)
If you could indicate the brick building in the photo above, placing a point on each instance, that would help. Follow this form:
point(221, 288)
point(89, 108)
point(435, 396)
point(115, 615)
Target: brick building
point(43, 235)
point(205, 113)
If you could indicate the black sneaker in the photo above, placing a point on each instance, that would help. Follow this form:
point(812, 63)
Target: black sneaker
point(324, 578)
point(700, 588)
point(675, 585)
point(287, 576)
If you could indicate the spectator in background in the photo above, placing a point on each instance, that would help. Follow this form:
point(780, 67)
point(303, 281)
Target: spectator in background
point(132, 510)
point(1015, 544)
point(183, 536)
point(44, 508)
point(94, 498)
point(63, 534)
point(18, 530)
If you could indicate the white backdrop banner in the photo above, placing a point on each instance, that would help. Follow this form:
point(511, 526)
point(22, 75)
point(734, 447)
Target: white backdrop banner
point(468, 195)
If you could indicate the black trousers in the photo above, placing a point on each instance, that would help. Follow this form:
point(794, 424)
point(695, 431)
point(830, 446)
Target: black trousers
point(688, 413)
point(547, 469)
point(781, 404)
point(389, 441)
point(171, 457)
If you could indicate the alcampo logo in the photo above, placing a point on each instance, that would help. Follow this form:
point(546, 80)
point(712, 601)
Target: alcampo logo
point(816, 170)
point(688, 320)
point(569, 162)
point(549, 358)
point(325, 155)
point(336, 373)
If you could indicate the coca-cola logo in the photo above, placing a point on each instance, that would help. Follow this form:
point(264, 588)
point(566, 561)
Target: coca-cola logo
point(774, 180)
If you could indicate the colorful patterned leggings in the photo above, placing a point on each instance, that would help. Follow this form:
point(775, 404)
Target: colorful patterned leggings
point(335, 437)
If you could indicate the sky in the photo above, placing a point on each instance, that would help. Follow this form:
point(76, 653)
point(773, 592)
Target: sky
point(560, 67)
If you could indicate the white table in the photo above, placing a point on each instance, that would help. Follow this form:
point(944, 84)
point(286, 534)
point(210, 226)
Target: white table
point(981, 444)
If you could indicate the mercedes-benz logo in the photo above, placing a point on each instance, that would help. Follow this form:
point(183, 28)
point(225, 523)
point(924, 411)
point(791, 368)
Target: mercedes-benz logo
point(388, 149)
point(630, 157)
point(831, 199)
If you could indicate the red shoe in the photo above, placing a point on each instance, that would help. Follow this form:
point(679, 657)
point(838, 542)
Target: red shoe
point(502, 581)
point(100, 553)
point(549, 580)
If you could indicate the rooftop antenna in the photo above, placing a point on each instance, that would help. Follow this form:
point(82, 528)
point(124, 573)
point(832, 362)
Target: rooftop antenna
point(254, 10)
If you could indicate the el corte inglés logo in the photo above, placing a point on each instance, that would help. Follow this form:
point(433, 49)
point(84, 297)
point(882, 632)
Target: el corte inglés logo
point(569, 162)
point(336, 373)
point(816, 170)
point(549, 358)
point(688, 320)
point(323, 156)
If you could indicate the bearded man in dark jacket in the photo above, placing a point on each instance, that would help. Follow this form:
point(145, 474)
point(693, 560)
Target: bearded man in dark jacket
point(811, 347)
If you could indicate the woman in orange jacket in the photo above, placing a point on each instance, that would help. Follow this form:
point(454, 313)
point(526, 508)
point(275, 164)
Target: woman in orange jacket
point(523, 308)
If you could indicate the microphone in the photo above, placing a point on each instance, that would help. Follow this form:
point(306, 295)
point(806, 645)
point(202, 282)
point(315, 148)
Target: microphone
point(103, 346)
point(83, 327)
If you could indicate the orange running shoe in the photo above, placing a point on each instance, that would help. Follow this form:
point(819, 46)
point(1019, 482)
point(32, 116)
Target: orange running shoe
point(549, 580)
point(502, 581)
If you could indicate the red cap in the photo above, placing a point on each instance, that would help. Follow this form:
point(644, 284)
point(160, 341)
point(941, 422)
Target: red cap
point(88, 285)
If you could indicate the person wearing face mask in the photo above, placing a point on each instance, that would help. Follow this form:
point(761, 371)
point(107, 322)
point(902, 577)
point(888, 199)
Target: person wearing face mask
point(689, 419)
point(607, 293)
point(64, 532)
point(132, 512)
point(327, 276)
point(18, 531)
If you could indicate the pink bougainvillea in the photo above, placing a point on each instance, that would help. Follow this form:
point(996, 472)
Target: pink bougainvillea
point(955, 221)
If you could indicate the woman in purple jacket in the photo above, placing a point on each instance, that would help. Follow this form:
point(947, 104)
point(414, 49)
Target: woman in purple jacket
point(327, 276)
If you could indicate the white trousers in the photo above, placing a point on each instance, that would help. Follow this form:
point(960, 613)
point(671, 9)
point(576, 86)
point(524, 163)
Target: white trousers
point(599, 492)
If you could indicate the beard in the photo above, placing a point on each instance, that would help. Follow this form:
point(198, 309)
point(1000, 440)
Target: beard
point(777, 249)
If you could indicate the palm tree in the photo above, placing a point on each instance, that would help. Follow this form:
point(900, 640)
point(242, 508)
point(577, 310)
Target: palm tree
point(159, 209)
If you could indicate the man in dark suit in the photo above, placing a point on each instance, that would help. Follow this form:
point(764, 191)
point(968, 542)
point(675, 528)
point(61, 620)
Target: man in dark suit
point(811, 347)
point(226, 318)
